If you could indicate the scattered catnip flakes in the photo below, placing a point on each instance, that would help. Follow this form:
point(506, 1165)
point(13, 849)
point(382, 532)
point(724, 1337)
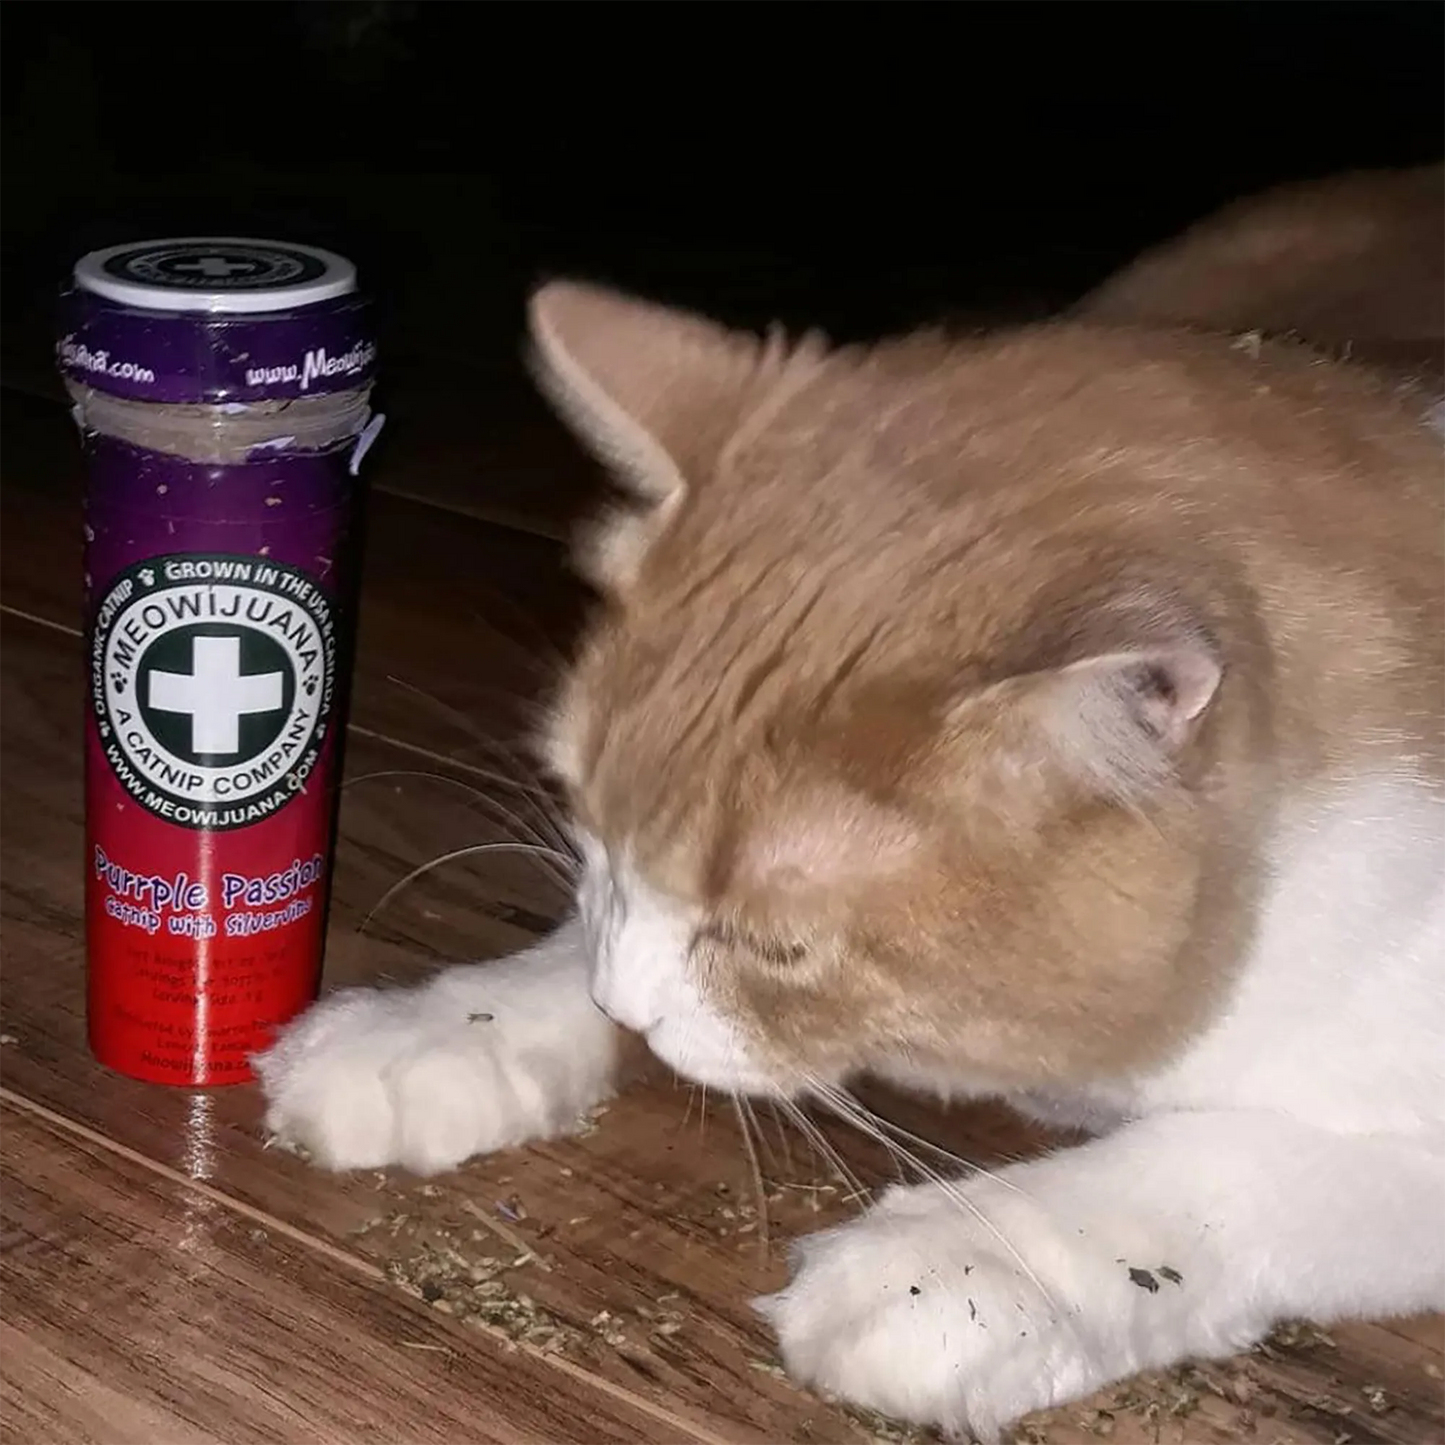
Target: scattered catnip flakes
point(477, 1292)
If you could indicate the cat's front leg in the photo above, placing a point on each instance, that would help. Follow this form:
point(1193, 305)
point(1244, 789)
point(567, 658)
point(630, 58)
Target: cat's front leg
point(479, 1058)
point(1181, 1235)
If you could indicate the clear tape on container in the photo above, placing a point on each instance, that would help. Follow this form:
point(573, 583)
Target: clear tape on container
point(225, 433)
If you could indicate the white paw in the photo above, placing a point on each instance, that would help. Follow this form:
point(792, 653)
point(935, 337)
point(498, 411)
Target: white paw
point(479, 1059)
point(920, 1311)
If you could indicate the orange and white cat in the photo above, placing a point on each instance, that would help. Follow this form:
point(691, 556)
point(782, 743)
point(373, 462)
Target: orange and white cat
point(1055, 716)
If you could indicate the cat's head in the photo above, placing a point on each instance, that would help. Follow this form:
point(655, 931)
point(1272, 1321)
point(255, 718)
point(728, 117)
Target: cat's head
point(886, 750)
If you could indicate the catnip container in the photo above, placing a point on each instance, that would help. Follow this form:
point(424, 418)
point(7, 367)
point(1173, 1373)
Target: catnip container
point(222, 389)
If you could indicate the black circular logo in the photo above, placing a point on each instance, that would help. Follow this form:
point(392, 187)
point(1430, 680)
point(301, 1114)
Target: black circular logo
point(243, 681)
point(212, 679)
point(215, 266)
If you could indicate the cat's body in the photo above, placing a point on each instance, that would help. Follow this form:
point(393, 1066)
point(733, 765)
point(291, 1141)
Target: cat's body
point(1057, 716)
point(1356, 263)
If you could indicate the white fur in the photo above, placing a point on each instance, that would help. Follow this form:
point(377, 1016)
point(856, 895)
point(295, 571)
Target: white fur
point(371, 1077)
point(1338, 1015)
point(1025, 1299)
point(1292, 1162)
point(643, 975)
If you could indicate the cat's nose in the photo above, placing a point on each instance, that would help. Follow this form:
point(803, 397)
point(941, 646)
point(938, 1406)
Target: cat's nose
point(630, 1012)
point(627, 996)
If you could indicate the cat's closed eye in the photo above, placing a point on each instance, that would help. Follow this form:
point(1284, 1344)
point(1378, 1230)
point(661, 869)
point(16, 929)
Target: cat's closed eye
point(777, 951)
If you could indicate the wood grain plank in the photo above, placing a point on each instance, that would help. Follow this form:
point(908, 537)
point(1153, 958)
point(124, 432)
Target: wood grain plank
point(634, 1213)
point(645, 1223)
point(138, 1310)
point(485, 445)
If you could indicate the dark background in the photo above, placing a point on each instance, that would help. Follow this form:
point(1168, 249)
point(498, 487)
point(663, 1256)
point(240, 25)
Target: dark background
point(858, 165)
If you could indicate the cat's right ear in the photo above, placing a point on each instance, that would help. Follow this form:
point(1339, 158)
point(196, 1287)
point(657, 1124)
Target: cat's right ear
point(655, 394)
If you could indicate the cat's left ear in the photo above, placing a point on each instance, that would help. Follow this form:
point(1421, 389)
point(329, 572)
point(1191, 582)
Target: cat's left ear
point(1119, 720)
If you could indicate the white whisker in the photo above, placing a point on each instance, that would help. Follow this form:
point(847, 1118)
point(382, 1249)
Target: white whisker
point(825, 1150)
point(534, 849)
point(847, 1109)
point(554, 659)
point(531, 832)
point(745, 1116)
point(780, 1130)
point(510, 754)
point(897, 1131)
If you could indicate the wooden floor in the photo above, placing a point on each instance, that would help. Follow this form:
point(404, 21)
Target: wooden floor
point(167, 1279)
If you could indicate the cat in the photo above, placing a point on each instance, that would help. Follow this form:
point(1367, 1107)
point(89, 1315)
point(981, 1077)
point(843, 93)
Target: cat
point(1354, 262)
point(1054, 715)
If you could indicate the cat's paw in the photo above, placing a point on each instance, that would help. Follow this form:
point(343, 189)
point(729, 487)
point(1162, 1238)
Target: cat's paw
point(480, 1059)
point(930, 1312)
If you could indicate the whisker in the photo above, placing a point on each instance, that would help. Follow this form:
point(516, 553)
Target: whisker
point(821, 1146)
point(530, 848)
point(556, 838)
point(745, 1115)
point(841, 1104)
point(511, 754)
point(782, 1134)
point(548, 647)
point(900, 1158)
point(544, 831)
point(766, 1153)
point(552, 824)
point(548, 831)
point(501, 779)
point(899, 1132)
point(847, 1110)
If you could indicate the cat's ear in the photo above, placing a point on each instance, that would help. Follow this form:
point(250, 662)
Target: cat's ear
point(645, 388)
point(1118, 721)
point(655, 394)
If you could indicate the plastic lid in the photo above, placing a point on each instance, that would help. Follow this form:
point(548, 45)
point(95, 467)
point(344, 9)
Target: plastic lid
point(215, 273)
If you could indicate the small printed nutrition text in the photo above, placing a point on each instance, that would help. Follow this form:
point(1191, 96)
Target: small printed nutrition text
point(240, 905)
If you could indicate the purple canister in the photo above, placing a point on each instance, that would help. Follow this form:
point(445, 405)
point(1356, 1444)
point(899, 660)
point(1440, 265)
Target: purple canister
point(222, 387)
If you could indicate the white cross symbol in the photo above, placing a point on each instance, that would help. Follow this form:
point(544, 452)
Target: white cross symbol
point(215, 694)
point(216, 266)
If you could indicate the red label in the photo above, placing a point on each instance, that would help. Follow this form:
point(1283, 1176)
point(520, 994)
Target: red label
point(210, 788)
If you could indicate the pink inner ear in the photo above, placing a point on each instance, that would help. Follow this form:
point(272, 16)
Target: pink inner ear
point(831, 839)
point(1121, 719)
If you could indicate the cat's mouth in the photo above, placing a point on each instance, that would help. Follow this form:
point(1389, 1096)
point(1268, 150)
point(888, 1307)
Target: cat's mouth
point(705, 1049)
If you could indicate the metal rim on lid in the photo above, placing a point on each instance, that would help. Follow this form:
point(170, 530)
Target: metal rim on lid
point(232, 275)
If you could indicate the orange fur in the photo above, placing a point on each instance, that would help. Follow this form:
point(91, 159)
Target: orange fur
point(1057, 714)
point(1353, 263)
point(957, 683)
